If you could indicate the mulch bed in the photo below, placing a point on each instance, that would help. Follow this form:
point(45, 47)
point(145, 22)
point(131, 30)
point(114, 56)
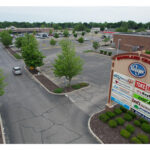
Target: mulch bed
point(46, 82)
point(11, 51)
point(34, 71)
point(112, 135)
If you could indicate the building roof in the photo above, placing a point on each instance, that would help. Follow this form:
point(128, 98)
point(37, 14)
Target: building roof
point(143, 34)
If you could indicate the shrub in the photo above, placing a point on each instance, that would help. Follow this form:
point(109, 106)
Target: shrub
point(120, 121)
point(104, 117)
point(81, 40)
point(110, 114)
point(75, 34)
point(52, 42)
point(76, 86)
point(131, 113)
point(109, 53)
point(135, 140)
point(130, 128)
point(147, 52)
point(101, 51)
point(143, 138)
point(127, 117)
point(117, 111)
point(125, 133)
point(83, 33)
point(58, 90)
point(96, 45)
point(123, 109)
point(112, 123)
point(83, 84)
point(56, 35)
point(105, 52)
point(137, 123)
point(145, 127)
point(96, 32)
point(17, 56)
point(142, 120)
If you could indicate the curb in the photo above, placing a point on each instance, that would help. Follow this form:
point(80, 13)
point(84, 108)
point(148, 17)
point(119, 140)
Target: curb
point(2, 130)
point(90, 130)
point(32, 76)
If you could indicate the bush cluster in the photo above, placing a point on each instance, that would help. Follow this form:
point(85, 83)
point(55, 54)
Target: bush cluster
point(125, 133)
point(130, 128)
point(17, 56)
point(132, 114)
point(145, 127)
point(104, 117)
point(117, 111)
point(110, 114)
point(127, 117)
point(143, 138)
point(135, 140)
point(58, 90)
point(76, 86)
point(105, 52)
point(112, 123)
point(137, 123)
point(120, 121)
point(142, 120)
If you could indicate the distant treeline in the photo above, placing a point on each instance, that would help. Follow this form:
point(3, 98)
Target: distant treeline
point(77, 26)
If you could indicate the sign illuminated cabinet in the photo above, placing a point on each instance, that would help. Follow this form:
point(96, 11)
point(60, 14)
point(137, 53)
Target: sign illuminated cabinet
point(130, 83)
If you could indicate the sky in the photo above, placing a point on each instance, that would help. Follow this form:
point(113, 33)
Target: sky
point(74, 14)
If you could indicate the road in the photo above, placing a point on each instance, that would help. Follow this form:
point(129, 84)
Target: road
point(31, 115)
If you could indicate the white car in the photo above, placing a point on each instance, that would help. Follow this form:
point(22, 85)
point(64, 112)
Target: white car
point(16, 71)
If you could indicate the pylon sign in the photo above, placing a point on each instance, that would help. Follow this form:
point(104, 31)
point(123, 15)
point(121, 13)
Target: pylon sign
point(130, 82)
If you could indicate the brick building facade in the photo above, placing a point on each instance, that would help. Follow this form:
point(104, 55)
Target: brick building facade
point(131, 42)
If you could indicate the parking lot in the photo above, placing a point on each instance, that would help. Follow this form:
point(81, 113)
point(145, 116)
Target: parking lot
point(96, 71)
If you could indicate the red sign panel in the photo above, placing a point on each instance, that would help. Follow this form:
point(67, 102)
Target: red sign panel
point(142, 86)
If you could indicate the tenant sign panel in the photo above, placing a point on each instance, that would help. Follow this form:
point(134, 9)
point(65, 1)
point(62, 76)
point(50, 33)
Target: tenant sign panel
point(130, 83)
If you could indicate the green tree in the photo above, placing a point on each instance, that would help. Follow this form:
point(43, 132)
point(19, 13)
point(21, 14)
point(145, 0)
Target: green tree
point(81, 40)
point(2, 84)
point(96, 45)
point(6, 38)
point(18, 42)
point(52, 42)
point(56, 35)
point(83, 33)
point(30, 53)
point(67, 64)
point(75, 34)
point(66, 33)
point(50, 32)
point(106, 39)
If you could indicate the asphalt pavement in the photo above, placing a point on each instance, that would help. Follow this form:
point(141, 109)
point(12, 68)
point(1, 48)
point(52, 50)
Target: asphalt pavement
point(32, 115)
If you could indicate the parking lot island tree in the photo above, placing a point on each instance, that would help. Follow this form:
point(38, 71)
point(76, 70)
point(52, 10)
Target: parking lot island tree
point(6, 39)
point(96, 45)
point(67, 64)
point(53, 42)
point(66, 33)
point(2, 84)
point(31, 55)
point(18, 42)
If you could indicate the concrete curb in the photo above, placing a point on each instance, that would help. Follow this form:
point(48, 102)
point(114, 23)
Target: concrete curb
point(11, 54)
point(2, 130)
point(89, 127)
point(90, 130)
point(32, 76)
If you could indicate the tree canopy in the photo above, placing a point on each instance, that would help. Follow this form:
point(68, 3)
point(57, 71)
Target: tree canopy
point(67, 64)
point(6, 38)
point(30, 53)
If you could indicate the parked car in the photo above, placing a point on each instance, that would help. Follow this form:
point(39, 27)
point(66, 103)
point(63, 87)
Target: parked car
point(16, 71)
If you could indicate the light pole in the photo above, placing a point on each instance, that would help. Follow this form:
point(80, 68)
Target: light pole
point(118, 45)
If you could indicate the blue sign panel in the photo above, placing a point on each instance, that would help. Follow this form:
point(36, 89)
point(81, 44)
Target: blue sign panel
point(137, 70)
point(119, 102)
